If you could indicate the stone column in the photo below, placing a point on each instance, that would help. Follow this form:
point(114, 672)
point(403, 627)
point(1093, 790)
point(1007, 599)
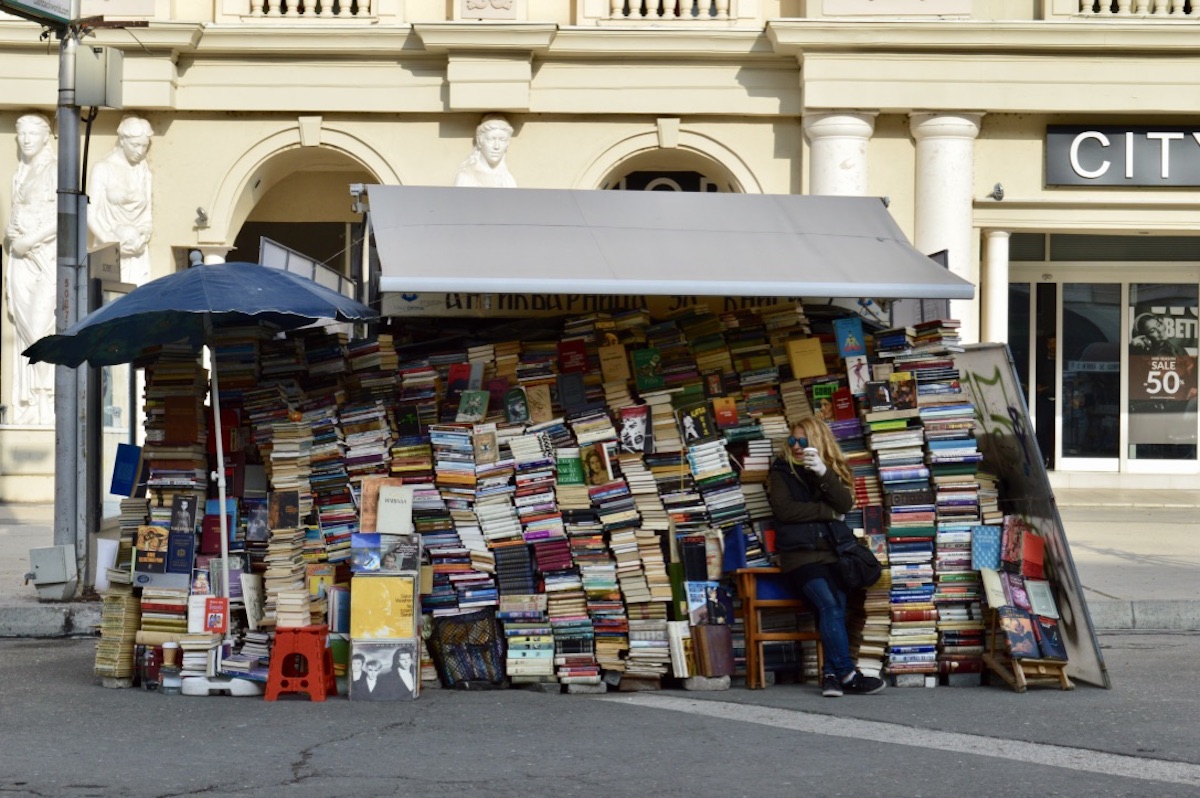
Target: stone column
point(837, 160)
point(944, 217)
point(994, 287)
point(213, 254)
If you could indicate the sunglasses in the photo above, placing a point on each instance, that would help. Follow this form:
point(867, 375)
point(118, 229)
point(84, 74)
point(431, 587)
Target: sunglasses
point(802, 441)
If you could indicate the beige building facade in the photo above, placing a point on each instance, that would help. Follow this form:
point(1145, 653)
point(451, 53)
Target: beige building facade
point(986, 125)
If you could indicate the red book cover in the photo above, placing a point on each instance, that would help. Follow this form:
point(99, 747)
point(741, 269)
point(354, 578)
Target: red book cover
point(572, 356)
point(216, 614)
point(1033, 553)
point(843, 404)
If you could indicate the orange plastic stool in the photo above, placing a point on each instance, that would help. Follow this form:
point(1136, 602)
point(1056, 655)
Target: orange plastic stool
point(301, 662)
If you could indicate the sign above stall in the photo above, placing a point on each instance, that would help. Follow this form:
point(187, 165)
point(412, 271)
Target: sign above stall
point(398, 305)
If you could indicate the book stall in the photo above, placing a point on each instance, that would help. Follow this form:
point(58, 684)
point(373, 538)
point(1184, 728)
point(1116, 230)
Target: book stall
point(564, 510)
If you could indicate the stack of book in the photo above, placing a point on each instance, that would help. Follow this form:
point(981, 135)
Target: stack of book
point(120, 617)
point(528, 637)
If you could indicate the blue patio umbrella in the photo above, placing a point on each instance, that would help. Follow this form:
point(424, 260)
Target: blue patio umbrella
point(189, 306)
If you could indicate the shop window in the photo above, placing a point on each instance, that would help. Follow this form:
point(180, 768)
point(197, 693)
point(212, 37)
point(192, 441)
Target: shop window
point(1162, 371)
point(1091, 375)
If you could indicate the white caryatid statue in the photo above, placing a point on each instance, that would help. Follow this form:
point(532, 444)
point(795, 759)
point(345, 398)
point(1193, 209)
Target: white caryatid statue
point(29, 278)
point(485, 166)
point(120, 199)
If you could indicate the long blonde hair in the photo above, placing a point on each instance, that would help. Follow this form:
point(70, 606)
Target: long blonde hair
point(820, 437)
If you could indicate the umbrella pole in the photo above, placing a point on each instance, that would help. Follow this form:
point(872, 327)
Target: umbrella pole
point(223, 520)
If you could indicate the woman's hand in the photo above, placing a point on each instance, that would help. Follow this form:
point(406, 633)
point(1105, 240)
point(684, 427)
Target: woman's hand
point(813, 462)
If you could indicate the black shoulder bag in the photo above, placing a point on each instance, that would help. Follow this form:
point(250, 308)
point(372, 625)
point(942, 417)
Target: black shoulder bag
point(857, 566)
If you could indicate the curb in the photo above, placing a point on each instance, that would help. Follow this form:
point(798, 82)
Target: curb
point(1145, 616)
point(49, 620)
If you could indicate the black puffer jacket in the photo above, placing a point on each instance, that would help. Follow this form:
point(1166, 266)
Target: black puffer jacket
point(802, 502)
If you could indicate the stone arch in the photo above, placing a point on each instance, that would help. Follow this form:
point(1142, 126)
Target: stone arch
point(695, 148)
point(270, 160)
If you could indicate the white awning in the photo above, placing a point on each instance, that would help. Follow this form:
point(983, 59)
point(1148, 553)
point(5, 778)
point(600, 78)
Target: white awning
point(506, 240)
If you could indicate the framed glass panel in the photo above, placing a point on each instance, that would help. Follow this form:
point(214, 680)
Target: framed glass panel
point(1091, 370)
point(1162, 382)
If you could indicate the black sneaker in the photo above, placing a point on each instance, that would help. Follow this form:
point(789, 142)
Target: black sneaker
point(861, 684)
point(831, 686)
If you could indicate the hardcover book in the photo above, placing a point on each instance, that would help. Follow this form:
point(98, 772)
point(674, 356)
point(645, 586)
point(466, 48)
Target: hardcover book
point(647, 369)
point(368, 513)
point(1017, 626)
point(985, 547)
point(725, 411)
point(714, 383)
point(257, 530)
point(1050, 639)
point(696, 423)
point(614, 363)
point(151, 545)
point(472, 406)
point(572, 356)
point(284, 509)
point(822, 400)
point(879, 396)
point(127, 470)
point(1033, 553)
point(843, 405)
point(904, 390)
point(849, 333)
point(216, 615)
point(857, 374)
point(516, 406)
point(1041, 598)
point(1012, 530)
point(541, 409)
point(805, 357)
point(993, 588)
point(483, 439)
point(570, 467)
point(635, 427)
point(572, 395)
point(395, 510)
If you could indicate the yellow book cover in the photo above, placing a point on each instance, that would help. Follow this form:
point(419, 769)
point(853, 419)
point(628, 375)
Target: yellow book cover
point(614, 363)
point(540, 407)
point(805, 357)
point(382, 607)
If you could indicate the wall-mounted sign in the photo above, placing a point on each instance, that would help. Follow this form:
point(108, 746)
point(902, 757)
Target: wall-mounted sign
point(1111, 155)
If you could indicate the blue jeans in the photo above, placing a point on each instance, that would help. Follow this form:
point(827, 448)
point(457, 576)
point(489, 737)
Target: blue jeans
point(828, 600)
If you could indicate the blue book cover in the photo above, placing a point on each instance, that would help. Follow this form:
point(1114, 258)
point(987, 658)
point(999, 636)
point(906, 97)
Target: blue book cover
point(127, 468)
point(849, 334)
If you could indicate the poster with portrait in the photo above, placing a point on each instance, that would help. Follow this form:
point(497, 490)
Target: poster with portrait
point(1162, 366)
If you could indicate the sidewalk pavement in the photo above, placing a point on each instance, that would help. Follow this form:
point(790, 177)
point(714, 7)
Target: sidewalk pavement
point(1137, 553)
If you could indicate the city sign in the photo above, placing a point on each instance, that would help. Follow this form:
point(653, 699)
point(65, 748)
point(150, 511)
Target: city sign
point(1110, 155)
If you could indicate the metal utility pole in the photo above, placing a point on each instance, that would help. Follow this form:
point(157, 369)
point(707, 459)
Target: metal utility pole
point(72, 504)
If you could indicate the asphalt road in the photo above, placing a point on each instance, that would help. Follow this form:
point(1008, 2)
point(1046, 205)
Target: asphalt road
point(61, 734)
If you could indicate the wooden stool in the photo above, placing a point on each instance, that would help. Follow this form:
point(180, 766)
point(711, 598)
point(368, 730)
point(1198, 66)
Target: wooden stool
point(301, 662)
point(752, 605)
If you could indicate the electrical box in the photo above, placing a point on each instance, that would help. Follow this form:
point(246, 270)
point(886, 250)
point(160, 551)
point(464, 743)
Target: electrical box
point(53, 572)
point(98, 76)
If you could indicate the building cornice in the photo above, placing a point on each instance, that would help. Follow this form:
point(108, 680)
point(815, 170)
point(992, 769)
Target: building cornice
point(797, 37)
